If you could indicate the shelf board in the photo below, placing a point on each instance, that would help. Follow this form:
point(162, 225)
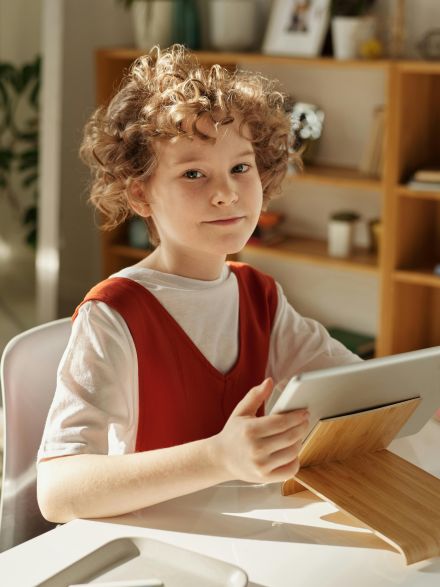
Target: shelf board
point(406, 192)
point(338, 176)
point(315, 251)
point(419, 66)
point(419, 276)
point(226, 58)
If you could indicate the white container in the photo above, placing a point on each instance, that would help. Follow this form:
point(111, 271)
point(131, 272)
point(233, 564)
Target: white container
point(340, 238)
point(153, 23)
point(233, 24)
point(348, 34)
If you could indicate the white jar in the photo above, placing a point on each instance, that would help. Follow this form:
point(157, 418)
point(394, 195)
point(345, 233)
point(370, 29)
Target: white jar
point(340, 238)
point(233, 24)
point(348, 34)
point(153, 23)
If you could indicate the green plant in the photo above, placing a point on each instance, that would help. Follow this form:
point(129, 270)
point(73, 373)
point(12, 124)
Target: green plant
point(128, 3)
point(19, 93)
point(351, 7)
point(345, 216)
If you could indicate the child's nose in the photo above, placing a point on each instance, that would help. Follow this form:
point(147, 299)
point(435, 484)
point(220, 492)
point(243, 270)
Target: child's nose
point(224, 194)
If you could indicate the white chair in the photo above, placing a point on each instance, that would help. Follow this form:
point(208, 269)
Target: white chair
point(28, 375)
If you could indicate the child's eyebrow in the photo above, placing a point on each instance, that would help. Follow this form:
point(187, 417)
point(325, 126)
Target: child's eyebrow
point(189, 158)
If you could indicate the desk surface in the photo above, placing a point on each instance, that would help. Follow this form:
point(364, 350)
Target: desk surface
point(279, 541)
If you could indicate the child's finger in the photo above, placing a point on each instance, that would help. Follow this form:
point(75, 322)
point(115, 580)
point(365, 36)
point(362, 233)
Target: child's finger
point(255, 398)
point(285, 456)
point(279, 423)
point(286, 439)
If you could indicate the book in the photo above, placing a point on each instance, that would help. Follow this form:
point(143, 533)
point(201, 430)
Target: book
point(361, 344)
point(428, 174)
point(424, 186)
point(371, 162)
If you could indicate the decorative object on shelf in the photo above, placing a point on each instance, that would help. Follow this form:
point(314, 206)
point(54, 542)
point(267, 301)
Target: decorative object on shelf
point(233, 24)
point(373, 156)
point(340, 233)
point(429, 46)
point(267, 231)
point(19, 142)
point(137, 233)
point(425, 179)
point(437, 415)
point(375, 234)
point(153, 21)
point(307, 123)
point(186, 27)
point(361, 344)
point(353, 28)
point(398, 32)
point(297, 27)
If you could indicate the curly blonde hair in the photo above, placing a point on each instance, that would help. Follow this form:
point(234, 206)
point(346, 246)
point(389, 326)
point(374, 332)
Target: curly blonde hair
point(161, 90)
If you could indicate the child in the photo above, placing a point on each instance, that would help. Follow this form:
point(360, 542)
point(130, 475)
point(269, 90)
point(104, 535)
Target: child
point(162, 387)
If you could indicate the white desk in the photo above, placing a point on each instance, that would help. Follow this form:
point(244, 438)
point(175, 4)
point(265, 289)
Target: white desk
point(279, 541)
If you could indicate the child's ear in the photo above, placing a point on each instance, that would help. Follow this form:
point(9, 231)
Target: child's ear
point(137, 197)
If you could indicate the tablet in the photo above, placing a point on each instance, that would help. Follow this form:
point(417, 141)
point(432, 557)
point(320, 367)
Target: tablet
point(356, 387)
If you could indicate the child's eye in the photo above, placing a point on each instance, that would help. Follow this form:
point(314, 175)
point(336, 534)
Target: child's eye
point(192, 174)
point(240, 168)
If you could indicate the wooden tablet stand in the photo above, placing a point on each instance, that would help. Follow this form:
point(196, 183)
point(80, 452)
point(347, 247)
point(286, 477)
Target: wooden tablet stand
point(344, 461)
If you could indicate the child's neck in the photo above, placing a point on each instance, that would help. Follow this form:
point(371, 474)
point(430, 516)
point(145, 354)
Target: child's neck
point(193, 266)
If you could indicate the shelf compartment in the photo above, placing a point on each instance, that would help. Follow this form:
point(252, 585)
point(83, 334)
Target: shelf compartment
point(315, 251)
point(415, 317)
point(337, 176)
point(418, 238)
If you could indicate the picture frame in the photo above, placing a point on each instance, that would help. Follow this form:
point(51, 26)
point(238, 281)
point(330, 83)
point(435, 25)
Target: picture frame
point(297, 27)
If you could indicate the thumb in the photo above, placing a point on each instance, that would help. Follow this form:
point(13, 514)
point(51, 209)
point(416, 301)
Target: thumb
point(254, 398)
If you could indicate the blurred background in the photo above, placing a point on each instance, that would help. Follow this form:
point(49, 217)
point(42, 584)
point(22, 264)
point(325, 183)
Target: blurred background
point(50, 247)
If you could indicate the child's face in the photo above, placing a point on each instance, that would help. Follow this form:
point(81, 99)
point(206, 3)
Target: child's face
point(205, 198)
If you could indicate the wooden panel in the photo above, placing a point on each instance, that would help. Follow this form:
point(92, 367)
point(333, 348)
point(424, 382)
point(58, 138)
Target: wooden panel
point(417, 226)
point(396, 499)
point(415, 124)
point(344, 461)
point(412, 318)
point(355, 434)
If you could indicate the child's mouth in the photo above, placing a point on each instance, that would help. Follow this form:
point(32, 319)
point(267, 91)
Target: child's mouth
point(226, 221)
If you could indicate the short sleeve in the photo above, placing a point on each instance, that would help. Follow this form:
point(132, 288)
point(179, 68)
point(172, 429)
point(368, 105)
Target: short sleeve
point(300, 344)
point(95, 406)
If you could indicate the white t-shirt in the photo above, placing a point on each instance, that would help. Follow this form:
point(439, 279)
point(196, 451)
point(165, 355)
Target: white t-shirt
point(95, 407)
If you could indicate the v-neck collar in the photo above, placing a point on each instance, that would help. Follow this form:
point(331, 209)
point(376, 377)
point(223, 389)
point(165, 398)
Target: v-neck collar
point(180, 332)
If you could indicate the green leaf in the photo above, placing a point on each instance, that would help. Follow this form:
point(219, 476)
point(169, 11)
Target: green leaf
point(35, 94)
point(28, 136)
point(29, 180)
point(30, 215)
point(31, 238)
point(6, 157)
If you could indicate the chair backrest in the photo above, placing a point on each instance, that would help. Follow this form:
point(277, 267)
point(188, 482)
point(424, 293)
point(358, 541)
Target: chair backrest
point(28, 377)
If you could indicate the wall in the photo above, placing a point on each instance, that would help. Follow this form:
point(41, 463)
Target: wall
point(90, 24)
point(19, 44)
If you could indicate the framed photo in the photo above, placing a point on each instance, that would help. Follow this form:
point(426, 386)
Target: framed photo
point(297, 27)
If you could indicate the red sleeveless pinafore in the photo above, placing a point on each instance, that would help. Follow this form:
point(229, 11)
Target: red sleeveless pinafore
point(182, 397)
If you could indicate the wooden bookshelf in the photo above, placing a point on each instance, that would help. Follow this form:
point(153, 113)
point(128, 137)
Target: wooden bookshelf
point(314, 251)
point(410, 245)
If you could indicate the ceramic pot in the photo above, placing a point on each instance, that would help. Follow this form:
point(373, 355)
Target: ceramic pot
point(348, 34)
point(233, 24)
point(153, 23)
point(340, 238)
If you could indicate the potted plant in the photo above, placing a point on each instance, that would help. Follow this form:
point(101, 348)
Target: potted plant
point(340, 233)
point(352, 25)
point(162, 22)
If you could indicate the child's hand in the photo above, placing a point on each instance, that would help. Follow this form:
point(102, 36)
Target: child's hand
point(261, 449)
